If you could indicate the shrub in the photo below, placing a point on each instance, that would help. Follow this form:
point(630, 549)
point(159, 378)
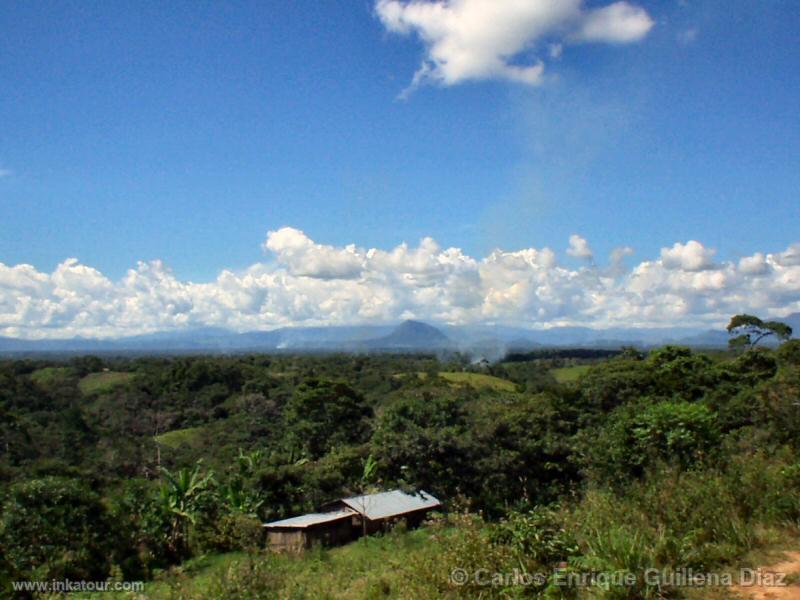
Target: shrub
point(231, 532)
point(641, 435)
point(55, 528)
point(540, 534)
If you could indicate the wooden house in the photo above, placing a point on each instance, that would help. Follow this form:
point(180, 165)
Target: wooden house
point(344, 520)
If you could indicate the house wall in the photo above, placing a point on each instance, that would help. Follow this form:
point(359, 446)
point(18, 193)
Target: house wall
point(299, 539)
point(331, 534)
point(292, 540)
point(337, 532)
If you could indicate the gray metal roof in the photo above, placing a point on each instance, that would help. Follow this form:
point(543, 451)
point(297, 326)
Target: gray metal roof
point(390, 504)
point(312, 519)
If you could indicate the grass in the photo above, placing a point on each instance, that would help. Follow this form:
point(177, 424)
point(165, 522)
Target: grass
point(50, 375)
point(479, 381)
point(570, 374)
point(200, 571)
point(101, 383)
point(179, 437)
point(373, 567)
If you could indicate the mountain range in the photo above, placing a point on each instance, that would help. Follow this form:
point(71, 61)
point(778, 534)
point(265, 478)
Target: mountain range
point(489, 341)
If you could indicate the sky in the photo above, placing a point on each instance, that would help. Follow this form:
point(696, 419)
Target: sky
point(253, 165)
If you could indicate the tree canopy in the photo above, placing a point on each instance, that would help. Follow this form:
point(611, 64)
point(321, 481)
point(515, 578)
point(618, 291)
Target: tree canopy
point(748, 330)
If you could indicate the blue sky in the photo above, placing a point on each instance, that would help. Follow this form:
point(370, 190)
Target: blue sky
point(185, 131)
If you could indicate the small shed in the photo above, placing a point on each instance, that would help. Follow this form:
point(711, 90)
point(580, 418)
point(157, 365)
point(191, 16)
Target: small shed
point(300, 533)
point(346, 519)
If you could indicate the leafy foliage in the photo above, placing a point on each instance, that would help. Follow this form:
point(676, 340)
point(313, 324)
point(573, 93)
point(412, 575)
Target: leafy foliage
point(749, 330)
point(673, 457)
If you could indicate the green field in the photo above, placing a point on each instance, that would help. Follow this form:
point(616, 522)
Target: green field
point(100, 383)
point(569, 374)
point(178, 437)
point(480, 381)
point(50, 375)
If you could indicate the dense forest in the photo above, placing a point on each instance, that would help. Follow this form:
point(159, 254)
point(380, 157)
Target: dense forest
point(129, 467)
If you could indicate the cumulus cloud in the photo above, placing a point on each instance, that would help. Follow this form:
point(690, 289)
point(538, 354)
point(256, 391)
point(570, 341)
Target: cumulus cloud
point(754, 265)
point(691, 256)
point(616, 260)
point(791, 257)
point(579, 247)
point(303, 257)
point(498, 39)
point(308, 283)
point(618, 23)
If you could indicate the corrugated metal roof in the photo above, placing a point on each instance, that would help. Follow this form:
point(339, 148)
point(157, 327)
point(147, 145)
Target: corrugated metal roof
point(312, 519)
point(390, 504)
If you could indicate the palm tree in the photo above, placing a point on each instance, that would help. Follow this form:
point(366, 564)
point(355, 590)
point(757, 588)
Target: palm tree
point(181, 496)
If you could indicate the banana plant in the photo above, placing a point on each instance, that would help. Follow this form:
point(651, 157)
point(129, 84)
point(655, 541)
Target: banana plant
point(235, 492)
point(182, 493)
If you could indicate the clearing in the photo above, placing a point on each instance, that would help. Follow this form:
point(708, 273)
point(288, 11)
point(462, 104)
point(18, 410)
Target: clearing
point(178, 437)
point(100, 383)
point(569, 374)
point(480, 381)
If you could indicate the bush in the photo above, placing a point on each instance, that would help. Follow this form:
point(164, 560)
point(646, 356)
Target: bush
point(231, 532)
point(766, 489)
point(638, 436)
point(55, 528)
point(540, 534)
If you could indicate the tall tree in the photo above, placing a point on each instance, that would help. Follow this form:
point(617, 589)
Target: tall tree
point(748, 330)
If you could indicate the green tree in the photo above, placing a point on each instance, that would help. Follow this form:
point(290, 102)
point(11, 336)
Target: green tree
point(642, 434)
point(55, 528)
point(748, 330)
point(322, 414)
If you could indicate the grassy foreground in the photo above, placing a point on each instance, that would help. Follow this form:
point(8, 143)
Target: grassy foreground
point(410, 565)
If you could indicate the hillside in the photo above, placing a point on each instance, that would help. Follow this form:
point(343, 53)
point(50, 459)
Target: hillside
point(164, 469)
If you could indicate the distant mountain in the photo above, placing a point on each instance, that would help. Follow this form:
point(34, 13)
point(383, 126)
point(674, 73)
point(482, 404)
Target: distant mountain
point(793, 321)
point(411, 335)
point(488, 341)
point(705, 339)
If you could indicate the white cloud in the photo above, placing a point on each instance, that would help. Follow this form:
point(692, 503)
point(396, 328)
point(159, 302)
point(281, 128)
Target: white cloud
point(691, 256)
point(618, 23)
point(303, 257)
point(308, 283)
point(790, 257)
point(496, 39)
point(6, 173)
point(579, 247)
point(754, 265)
point(619, 253)
point(616, 260)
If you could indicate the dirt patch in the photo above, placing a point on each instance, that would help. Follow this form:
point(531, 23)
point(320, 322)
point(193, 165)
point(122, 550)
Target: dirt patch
point(764, 581)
